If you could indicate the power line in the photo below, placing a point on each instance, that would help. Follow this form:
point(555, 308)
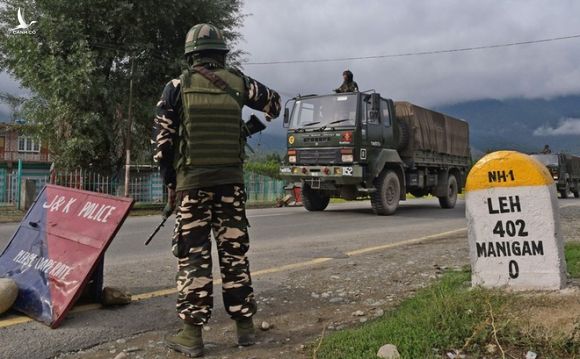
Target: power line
point(418, 53)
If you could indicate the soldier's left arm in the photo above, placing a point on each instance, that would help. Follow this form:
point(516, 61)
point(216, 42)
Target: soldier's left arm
point(261, 98)
point(166, 127)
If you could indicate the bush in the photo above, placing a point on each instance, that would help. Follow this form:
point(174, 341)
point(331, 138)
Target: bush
point(267, 168)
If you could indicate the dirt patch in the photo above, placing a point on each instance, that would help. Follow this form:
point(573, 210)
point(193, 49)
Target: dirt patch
point(550, 315)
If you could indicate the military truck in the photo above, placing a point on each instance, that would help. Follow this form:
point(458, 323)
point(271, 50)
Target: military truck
point(354, 145)
point(565, 170)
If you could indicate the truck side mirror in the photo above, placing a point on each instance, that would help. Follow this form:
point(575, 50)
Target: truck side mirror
point(375, 107)
point(286, 122)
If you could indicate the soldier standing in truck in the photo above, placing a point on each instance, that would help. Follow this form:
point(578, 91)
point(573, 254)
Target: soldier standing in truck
point(547, 150)
point(348, 84)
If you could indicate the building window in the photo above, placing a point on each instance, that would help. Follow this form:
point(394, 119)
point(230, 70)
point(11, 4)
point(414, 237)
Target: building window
point(28, 144)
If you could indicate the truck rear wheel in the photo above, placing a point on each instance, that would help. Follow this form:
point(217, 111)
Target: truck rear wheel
point(385, 200)
point(449, 200)
point(313, 200)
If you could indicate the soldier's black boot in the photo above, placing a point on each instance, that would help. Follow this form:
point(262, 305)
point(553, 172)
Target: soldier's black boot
point(188, 341)
point(246, 332)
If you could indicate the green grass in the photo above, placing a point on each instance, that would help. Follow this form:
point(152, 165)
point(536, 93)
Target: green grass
point(8, 216)
point(338, 200)
point(573, 258)
point(440, 317)
point(450, 315)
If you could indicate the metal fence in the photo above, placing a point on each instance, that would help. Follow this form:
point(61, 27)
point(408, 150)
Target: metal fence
point(88, 181)
point(263, 189)
point(10, 183)
point(145, 185)
point(8, 188)
point(147, 188)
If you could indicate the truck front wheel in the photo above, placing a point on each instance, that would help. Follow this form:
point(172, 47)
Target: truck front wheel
point(385, 200)
point(313, 200)
point(449, 200)
point(565, 191)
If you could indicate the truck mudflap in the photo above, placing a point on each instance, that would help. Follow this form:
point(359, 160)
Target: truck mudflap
point(340, 175)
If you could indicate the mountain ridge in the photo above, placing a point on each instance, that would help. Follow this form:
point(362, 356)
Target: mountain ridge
point(512, 123)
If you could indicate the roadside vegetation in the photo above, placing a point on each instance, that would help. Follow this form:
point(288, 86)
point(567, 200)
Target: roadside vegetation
point(10, 214)
point(451, 317)
point(268, 165)
point(573, 259)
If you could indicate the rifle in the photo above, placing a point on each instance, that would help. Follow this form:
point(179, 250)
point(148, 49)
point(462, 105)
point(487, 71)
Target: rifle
point(252, 126)
point(167, 211)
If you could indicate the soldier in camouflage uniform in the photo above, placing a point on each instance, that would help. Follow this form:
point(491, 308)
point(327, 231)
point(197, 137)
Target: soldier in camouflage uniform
point(200, 150)
point(348, 85)
point(547, 150)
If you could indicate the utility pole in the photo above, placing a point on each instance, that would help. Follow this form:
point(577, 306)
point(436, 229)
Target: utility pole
point(130, 125)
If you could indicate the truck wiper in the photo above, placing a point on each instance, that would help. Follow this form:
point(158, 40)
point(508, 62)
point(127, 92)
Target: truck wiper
point(331, 123)
point(311, 124)
point(339, 121)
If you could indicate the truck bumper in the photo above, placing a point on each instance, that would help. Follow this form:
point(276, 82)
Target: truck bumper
point(339, 175)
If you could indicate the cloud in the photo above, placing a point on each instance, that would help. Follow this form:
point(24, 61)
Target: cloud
point(289, 30)
point(10, 85)
point(281, 30)
point(566, 126)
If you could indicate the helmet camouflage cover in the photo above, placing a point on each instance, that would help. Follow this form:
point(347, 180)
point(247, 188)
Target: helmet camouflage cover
point(204, 37)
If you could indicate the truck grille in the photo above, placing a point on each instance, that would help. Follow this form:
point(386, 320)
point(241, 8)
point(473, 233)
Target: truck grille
point(316, 139)
point(319, 156)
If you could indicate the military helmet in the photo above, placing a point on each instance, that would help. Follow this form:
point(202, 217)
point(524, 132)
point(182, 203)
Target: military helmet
point(204, 37)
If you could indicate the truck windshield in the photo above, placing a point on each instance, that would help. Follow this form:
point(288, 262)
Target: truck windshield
point(327, 111)
point(548, 160)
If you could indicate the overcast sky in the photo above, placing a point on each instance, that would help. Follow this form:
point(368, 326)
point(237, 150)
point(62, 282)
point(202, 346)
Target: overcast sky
point(300, 29)
point(289, 30)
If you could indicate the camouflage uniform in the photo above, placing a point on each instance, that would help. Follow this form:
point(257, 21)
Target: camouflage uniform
point(349, 85)
point(547, 150)
point(219, 209)
point(211, 199)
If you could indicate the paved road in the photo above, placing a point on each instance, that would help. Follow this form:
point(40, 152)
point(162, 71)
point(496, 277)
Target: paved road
point(278, 237)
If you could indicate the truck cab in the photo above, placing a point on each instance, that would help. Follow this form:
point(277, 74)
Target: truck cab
point(347, 145)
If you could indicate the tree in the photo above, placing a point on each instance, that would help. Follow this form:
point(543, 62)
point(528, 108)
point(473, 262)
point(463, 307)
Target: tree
point(76, 61)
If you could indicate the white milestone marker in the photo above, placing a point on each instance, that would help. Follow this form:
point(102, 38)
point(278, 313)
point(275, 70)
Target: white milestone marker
point(514, 224)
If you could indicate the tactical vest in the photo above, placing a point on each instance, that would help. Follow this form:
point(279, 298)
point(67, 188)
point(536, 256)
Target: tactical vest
point(210, 134)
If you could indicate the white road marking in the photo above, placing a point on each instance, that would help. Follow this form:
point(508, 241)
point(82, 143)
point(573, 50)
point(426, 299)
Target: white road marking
point(269, 215)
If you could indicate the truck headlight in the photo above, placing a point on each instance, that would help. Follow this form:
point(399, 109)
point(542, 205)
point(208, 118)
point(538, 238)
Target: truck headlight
point(292, 159)
point(347, 158)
